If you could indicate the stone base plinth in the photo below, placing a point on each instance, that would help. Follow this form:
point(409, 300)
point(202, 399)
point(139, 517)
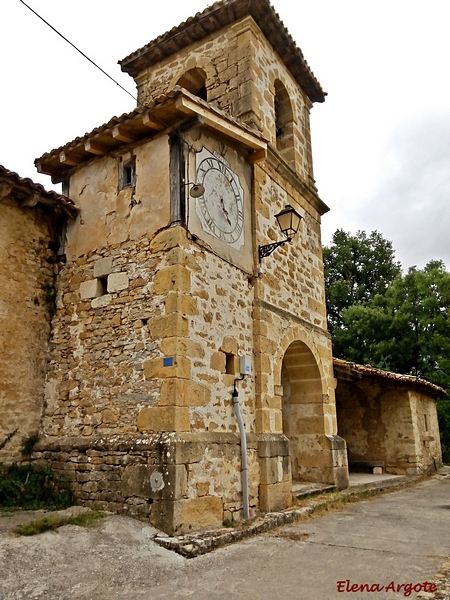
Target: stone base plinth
point(180, 482)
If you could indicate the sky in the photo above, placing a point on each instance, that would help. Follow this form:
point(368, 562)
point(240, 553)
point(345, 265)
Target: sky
point(381, 140)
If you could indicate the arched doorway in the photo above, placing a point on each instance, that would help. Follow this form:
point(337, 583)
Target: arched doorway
point(302, 407)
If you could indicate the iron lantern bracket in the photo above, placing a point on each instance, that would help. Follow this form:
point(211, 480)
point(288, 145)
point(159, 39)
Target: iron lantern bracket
point(266, 250)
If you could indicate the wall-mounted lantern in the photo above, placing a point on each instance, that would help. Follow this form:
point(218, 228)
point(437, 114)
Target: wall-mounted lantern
point(289, 222)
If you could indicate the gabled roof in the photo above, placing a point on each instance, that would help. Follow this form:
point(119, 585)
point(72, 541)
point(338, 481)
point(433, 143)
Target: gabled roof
point(349, 371)
point(30, 194)
point(214, 18)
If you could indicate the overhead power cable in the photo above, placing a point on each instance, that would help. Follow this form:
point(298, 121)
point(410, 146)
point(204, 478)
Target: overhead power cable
point(156, 117)
point(93, 63)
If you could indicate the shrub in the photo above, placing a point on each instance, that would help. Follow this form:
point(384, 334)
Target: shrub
point(31, 487)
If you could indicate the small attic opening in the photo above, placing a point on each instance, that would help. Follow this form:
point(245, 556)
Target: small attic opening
point(194, 81)
point(284, 127)
point(127, 173)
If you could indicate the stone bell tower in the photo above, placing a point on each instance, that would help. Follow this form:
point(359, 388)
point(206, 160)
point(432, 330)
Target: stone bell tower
point(164, 296)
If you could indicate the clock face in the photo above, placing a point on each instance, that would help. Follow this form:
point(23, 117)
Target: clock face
point(220, 209)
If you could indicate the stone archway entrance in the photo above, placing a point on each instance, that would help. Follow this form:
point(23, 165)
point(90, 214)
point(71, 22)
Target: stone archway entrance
point(317, 454)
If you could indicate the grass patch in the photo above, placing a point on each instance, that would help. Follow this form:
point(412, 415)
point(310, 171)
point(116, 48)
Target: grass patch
point(31, 487)
point(86, 519)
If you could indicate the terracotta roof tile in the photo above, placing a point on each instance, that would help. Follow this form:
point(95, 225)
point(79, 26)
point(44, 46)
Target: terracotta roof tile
point(24, 186)
point(356, 371)
point(88, 135)
point(49, 162)
point(215, 17)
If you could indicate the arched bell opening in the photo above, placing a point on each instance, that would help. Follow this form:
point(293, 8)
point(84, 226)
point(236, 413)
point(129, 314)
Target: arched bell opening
point(284, 123)
point(194, 81)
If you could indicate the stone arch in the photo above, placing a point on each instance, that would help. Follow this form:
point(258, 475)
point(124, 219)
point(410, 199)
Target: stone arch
point(284, 122)
point(194, 81)
point(298, 335)
point(303, 421)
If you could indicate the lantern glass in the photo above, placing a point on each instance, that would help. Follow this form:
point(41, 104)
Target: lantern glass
point(288, 221)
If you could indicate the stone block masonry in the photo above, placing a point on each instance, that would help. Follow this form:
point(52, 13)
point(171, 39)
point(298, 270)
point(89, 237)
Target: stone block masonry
point(179, 482)
point(27, 276)
point(135, 386)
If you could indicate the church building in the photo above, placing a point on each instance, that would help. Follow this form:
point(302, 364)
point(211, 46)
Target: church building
point(183, 331)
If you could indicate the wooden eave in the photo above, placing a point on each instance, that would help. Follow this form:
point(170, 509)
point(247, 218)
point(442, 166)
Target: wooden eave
point(127, 129)
point(29, 194)
point(168, 113)
point(219, 15)
point(348, 371)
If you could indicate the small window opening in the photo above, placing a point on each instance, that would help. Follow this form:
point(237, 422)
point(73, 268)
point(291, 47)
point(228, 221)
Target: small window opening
point(230, 364)
point(103, 285)
point(426, 422)
point(127, 174)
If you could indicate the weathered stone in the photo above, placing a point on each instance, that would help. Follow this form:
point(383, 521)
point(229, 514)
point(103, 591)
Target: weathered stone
point(174, 278)
point(169, 238)
point(275, 496)
point(164, 418)
point(91, 289)
point(184, 516)
point(218, 362)
point(103, 267)
point(102, 301)
point(181, 303)
point(140, 480)
point(182, 347)
point(178, 366)
point(183, 392)
point(171, 325)
point(117, 282)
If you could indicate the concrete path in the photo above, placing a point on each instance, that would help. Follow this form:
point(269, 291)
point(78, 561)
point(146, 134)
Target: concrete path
point(398, 538)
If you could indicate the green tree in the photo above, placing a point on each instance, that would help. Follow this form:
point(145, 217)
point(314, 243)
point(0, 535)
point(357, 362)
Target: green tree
point(357, 267)
point(405, 330)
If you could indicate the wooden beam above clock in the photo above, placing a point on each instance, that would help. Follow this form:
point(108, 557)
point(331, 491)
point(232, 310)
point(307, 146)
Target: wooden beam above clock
point(218, 123)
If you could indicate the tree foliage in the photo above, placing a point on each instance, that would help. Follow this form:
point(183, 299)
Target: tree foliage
point(393, 321)
point(357, 267)
point(406, 329)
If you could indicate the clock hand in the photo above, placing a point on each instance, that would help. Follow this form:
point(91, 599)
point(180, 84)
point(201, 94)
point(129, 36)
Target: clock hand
point(225, 212)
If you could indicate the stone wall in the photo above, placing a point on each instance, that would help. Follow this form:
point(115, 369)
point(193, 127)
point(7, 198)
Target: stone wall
point(397, 426)
point(165, 298)
point(26, 307)
point(112, 216)
point(291, 279)
point(177, 481)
